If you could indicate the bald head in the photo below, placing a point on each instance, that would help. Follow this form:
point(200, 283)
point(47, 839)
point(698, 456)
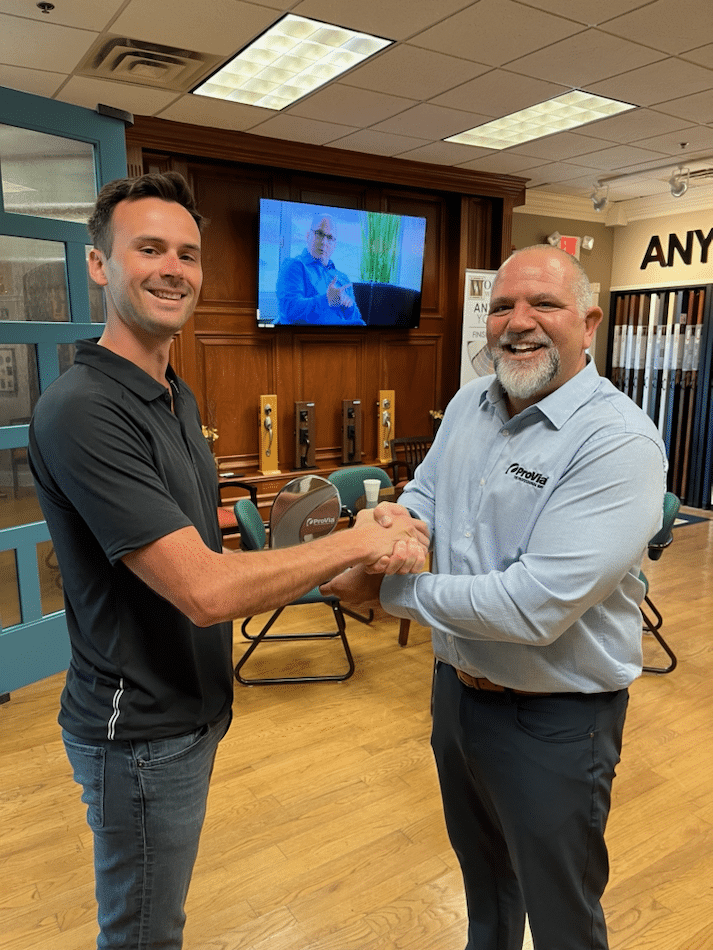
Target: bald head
point(580, 285)
point(321, 237)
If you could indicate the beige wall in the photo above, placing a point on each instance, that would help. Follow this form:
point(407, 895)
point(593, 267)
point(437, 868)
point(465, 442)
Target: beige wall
point(630, 250)
point(615, 260)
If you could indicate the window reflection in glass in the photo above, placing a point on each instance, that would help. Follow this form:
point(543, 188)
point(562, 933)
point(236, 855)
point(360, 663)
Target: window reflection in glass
point(19, 392)
point(97, 307)
point(46, 175)
point(9, 591)
point(33, 280)
point(65, 354)
point(19, 386)
point(51, 592)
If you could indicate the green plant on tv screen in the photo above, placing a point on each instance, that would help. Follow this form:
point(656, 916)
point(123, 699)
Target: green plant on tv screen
point(379, 244)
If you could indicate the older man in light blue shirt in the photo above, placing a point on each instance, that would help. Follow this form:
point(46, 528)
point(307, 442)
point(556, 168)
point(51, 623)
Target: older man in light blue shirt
point(541, 491)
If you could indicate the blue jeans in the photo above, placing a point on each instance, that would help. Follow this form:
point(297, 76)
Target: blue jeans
point(146, 801)
point(526, 786)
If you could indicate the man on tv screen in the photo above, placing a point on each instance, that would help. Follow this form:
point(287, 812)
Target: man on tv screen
point(310, 289)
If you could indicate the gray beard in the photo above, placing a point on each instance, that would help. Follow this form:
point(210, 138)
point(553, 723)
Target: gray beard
point(523, 382)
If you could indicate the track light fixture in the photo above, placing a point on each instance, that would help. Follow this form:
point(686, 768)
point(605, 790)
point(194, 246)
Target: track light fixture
point(554, 238)
point(678, 182)
point(599, 200)
point(587, 243)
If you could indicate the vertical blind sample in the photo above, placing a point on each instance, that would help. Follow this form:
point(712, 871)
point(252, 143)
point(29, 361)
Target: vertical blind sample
point(660, 356)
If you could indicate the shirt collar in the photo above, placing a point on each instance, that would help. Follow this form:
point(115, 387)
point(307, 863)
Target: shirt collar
point(122, 370)
point(308, 259)
point(558, 406)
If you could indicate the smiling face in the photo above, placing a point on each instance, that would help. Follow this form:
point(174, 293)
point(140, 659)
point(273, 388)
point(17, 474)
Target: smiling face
point(321, 239)
point(153, 275)
point(537, 332)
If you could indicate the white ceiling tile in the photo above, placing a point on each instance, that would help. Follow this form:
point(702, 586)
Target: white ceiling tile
point(556, 172)
point(355, 107)
point(694, 138)
point(495, 32)
point(587, 57)
point(431, 122)
point(202, 110)
point(498, 93)
point(585, 11)
point(138, 100)
point(668, 25)
point(412, 72)
point(61, 46)
point(295, 129)
point(395, 19)
point(79, 13)
point(698, 108)
point(703, 56)
point(376, 143)
point(618, 158)
point(36, 81)
point(500, 164)
point(562, 146)
point(275, 4)
point(443, 153)
point(634, 125)
point(223, 27)
point(630, 188)
point(648, 85)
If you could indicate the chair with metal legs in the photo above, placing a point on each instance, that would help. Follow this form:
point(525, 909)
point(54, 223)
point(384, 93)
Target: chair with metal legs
point(253, 536)
point(657, 545)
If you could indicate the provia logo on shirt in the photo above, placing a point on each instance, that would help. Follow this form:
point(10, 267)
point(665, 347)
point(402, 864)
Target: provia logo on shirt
point(523, 475)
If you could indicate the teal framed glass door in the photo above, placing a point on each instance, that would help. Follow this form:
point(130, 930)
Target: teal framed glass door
point(53, 159)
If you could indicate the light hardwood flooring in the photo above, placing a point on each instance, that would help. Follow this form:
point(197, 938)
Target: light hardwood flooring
point(324, 829)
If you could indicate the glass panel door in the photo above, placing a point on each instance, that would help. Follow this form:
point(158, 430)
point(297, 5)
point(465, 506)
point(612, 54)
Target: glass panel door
point(53, 158)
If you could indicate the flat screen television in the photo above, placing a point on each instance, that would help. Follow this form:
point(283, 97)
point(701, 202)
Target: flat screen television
point(338, 267)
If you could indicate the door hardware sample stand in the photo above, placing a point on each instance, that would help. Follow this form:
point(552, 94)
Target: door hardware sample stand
point(351, 431)
point(386, 423)
point(267, 422)
point(304, 435)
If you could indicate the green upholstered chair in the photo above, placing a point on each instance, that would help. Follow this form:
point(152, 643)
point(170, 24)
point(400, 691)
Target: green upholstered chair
point(350, 484)
point(253, 536)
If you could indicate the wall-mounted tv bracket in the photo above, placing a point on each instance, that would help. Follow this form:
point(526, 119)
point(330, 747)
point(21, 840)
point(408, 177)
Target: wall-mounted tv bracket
point(351, 431)
point(267, 421)
point(304, 435)
point(386, 423)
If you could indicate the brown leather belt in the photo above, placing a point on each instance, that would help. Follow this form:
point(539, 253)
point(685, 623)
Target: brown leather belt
point(481, 683)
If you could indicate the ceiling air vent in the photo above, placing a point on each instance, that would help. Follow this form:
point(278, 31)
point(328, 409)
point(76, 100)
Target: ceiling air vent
point(146, 64)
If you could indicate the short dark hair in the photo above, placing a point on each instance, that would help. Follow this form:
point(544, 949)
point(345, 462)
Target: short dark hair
point(169, 186)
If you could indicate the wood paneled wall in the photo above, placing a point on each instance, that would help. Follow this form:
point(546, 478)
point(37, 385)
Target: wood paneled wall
point(229, 362)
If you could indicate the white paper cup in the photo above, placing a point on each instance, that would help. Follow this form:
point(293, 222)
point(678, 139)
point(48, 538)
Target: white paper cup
point(372, 486)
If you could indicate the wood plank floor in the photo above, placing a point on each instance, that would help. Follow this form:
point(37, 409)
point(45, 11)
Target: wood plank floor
point(324, 828)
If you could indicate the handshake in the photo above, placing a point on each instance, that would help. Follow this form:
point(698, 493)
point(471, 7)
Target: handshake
point(399, 545)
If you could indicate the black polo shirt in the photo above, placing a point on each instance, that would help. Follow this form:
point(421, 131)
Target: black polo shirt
point(116, 469)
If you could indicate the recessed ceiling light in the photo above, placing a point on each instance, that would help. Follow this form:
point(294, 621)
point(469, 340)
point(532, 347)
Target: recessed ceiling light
point(554, 115)
point(293, 58)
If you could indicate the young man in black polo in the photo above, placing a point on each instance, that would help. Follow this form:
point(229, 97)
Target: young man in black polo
point(128, 487)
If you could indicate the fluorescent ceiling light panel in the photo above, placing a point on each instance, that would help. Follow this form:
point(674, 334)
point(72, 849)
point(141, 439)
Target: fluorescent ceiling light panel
point(555, 115)
point(293, 58)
